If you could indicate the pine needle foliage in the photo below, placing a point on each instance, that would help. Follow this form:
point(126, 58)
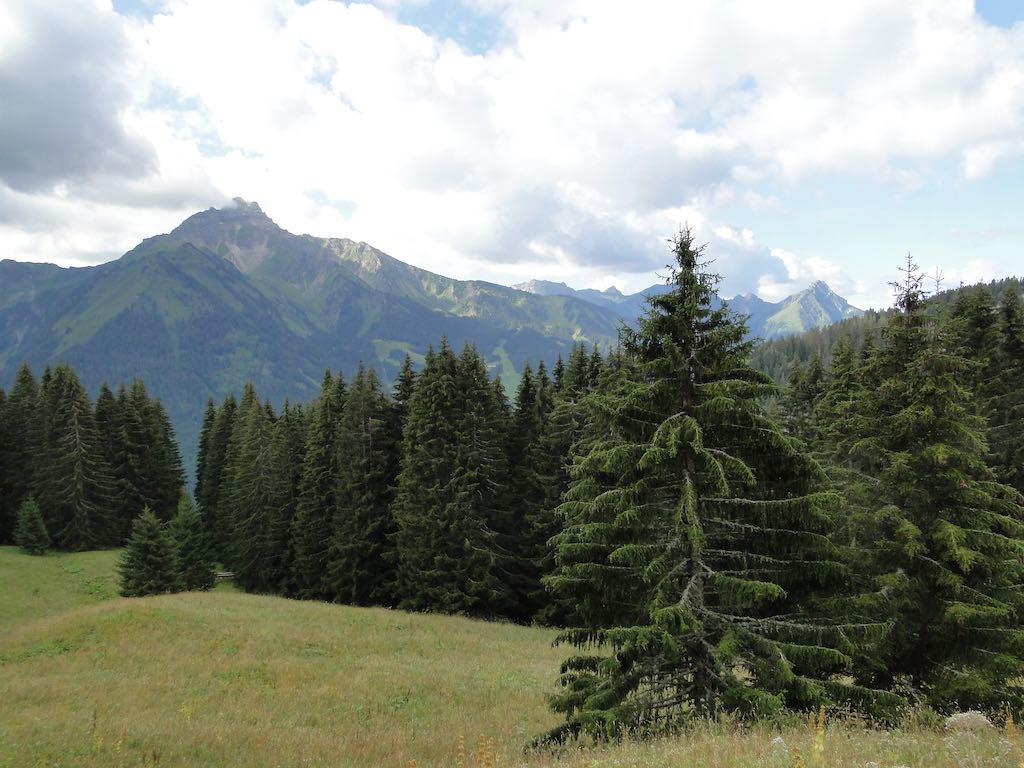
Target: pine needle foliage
point(948, 539)
point(359, 567)
point(692, 536)
point(148, 566)
point(30, 534)
point(191, 548)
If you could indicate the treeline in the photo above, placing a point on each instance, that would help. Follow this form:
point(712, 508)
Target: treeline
point(708, 541)
point(776, 356)
point(863, 551)
point(439, 497)
point(87, 470)
point(983, 331)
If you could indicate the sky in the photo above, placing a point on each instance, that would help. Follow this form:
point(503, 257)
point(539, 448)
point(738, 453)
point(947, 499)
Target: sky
point(506, 140)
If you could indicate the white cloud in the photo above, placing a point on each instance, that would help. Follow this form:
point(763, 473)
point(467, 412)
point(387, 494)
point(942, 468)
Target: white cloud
point(801, 272)
point(569, 151)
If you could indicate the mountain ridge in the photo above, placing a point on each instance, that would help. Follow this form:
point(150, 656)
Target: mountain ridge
point(816, 306)
point(229, 296)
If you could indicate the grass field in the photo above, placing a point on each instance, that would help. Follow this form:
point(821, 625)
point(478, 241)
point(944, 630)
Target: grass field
point(228, 679)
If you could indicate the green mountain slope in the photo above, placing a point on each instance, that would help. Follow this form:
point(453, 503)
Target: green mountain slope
point(229, 296)
point(321, 275)
point(815, 307)
point(776, 355)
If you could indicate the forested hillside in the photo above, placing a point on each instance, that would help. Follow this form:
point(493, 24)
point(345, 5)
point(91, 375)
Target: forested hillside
point(87, 470)
point(707, 540)
point(861, 547)
point(776, 356)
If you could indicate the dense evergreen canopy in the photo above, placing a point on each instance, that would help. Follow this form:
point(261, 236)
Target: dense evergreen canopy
point(708, 540)
point(91, 469)
point(695, 532)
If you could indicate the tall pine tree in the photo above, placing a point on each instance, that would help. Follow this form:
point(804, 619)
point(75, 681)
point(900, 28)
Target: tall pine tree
point(948, 551)
point(361, 560)
point(314, 516)
point(693, 536)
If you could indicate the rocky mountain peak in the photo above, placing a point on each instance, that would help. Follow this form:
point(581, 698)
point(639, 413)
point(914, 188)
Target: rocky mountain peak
point(245, 207)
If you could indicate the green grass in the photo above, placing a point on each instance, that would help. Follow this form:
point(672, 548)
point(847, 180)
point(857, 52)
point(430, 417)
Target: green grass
point(229, 679)
point(36, 587)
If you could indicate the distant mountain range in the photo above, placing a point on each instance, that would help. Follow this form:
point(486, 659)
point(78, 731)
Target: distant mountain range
point(814, 307)
point(229, 296)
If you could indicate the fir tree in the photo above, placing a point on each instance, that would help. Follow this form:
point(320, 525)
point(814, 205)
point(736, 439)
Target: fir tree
point(948, 554)
point(445, 541)
point(75, 491)
point(148, 565)
point(192, 552)
point(261, 503)
point(1006, 404)
point(311, 529)
point(19, 450)
point(31, 535)
point(214, 468)
point(361, 562)
point(693, 538)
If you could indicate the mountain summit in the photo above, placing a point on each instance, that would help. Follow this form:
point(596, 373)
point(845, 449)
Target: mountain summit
point(814, 307)
point(229, 296)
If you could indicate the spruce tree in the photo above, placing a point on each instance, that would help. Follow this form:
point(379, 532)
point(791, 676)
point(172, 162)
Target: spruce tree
point(258, 499)
point(314, 515)
point(30, 534)
point(148, 565)
point(480, 486)
point(405, 383)
point(162, 476)
point(203, 449)
point(361, 562)
point(526, 535)
point(8, 509)
point(18, 453)
point(75, 492)
point(209, 495)
point(693, 536)
point(948, 554)
point(445, 541)
point(191, 549)
point(563, 430)
point(123, 436)
point(287, 450)
point(1006, 404)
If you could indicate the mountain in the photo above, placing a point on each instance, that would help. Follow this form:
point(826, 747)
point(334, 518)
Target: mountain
point(229, 296)
point(627, 306)
point(814, 307)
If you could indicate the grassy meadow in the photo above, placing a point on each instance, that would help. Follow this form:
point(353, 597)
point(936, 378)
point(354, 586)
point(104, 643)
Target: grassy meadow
point(228, 679)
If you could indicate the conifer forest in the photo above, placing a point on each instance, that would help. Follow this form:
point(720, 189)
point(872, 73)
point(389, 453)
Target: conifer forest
point(707, 540)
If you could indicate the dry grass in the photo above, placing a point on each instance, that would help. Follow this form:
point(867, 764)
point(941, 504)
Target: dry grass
point(227, 679)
